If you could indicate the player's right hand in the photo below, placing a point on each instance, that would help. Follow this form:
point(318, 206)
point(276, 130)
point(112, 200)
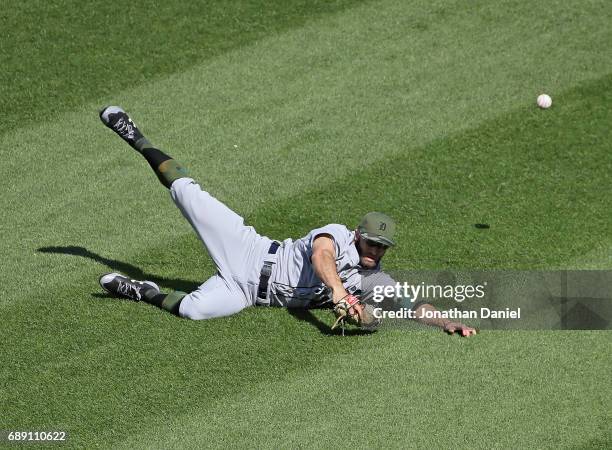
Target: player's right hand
point(347, 308)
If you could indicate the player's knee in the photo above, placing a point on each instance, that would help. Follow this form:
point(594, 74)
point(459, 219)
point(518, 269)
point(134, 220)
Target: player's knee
point(191, 317)
point(195, 315)
point(204, 314)
point(190, 311)
point(194, 309)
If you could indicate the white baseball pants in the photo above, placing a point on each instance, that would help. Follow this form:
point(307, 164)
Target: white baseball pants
point(236, 249)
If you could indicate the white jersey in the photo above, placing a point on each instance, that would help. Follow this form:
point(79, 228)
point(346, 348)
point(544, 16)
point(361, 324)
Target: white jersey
point(294, 282)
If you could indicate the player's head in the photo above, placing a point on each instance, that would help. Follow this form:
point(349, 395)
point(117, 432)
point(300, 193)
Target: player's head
point(372, 238)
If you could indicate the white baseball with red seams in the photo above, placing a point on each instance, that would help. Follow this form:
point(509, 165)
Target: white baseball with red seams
point(544, 101)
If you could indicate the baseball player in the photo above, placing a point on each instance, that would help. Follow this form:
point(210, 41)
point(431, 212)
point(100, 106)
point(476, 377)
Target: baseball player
point(331, 265)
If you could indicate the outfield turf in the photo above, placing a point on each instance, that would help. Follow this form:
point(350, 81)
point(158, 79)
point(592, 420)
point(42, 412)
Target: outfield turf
point(298, 114)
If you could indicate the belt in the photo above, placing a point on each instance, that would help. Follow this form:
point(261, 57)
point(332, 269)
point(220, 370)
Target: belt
point(266, 272)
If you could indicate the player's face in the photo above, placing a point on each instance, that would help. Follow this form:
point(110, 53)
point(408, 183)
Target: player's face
point(370, 252)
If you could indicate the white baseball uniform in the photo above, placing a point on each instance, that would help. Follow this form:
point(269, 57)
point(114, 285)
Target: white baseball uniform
point(240, 253)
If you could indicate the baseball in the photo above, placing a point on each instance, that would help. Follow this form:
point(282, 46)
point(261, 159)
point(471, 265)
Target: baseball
point(544, 101)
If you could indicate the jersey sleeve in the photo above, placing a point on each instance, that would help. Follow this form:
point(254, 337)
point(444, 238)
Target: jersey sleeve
point(340, 234)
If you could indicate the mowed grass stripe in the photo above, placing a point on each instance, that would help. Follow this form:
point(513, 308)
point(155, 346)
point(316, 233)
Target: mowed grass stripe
point(418, 390)
point(599, 257)
point(288, 113)
point(540, 179)
point(59, 55)
point(110, 350)
point(155, 370)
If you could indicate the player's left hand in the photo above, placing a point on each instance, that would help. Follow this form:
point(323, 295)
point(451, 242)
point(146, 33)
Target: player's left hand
point(459, 328)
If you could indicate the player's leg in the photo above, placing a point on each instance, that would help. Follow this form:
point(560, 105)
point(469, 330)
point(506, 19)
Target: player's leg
point(230, 243)
point(145, 291)
point(166, 168)
point(214, 298)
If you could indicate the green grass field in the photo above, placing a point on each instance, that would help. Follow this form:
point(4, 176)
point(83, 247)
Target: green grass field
point(296, 114)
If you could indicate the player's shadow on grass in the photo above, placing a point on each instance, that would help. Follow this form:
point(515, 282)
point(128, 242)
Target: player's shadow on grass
point(122, 267)
point(182, 285)
point(306, 315)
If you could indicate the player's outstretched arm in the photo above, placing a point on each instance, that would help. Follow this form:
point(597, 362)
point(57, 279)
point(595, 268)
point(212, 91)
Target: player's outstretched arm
point(346, 307)
point(446, 325)
point(324, 264)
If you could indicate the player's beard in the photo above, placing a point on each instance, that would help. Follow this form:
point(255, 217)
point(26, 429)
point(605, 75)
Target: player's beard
point(366, 261)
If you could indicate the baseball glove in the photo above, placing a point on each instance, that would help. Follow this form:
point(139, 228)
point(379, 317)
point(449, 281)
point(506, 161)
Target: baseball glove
point(345, 312)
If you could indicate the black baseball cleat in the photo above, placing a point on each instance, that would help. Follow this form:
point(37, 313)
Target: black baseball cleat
point(117, 120)
point(122, 286)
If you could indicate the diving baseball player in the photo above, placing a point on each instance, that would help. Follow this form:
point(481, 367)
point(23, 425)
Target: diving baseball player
point(331, 265)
